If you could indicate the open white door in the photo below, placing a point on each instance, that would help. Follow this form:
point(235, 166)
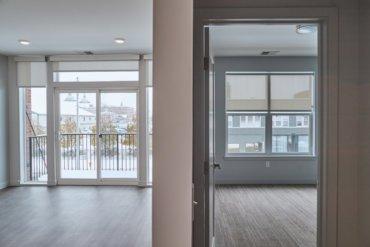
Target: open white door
point(209, 150)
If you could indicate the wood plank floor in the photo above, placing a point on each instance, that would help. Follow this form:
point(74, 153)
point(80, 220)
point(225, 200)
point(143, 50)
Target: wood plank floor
point(265, 216)
point(70, 216)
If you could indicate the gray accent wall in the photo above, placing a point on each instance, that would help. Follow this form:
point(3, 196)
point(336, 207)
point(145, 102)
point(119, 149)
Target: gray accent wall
point(258, 170)
point(364, 144)
point(4, 164)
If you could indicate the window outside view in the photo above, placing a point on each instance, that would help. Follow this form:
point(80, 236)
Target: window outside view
point(33, 116)
point(117, 136)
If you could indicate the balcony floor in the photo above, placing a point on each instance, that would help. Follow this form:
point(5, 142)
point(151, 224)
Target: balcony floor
point(75, 216)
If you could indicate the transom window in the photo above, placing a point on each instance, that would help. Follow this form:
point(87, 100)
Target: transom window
point(269, 113)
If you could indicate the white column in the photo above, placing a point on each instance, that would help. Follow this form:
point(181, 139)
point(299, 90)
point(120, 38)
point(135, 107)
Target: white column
point(51, 134)
point(142, 128)
point(173, 121)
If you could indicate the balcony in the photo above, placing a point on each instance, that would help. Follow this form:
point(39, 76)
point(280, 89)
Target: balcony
point(78, 156)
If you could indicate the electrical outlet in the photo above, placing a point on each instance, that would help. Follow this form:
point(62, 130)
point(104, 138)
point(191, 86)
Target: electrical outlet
point(268, 165)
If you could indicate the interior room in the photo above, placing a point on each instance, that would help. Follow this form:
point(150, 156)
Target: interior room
point(166, 123)
point(266, 87)
point(80, 108)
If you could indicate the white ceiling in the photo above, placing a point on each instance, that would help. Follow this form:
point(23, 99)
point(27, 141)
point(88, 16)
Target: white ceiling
point(252, 39)
point(74, 26)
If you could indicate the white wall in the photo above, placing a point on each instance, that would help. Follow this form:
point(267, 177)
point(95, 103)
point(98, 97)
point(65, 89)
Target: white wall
point(4, 164)
point(172, 176)
point(364, 165)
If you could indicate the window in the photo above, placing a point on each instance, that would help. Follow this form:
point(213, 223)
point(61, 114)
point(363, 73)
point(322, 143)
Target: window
point(233, 148)
point(291, 92)
point(247, 137)
point(33, 131)
point(274, 108)
point(149, 95)
point(279, 144)
point(245, 93)
point(296, 134)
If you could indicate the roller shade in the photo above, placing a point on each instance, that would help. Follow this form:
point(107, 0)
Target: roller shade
point(31, 74)
point(291, 92)
point(246, 92)
point(96, 66)
point(98, 71)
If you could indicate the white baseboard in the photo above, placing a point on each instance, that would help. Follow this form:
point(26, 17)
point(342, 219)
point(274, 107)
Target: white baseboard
point(3, 185)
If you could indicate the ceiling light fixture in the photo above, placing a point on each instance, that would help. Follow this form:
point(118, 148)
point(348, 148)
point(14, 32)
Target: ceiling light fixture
point(269, 53)
point(306, 29)
point(24, 42)
point(119, 40)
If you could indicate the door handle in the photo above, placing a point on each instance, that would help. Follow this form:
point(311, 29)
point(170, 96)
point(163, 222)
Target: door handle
point(217, 166)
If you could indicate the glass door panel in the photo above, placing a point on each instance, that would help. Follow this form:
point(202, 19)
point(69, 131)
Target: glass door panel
point(118, 135)
point(77, 135)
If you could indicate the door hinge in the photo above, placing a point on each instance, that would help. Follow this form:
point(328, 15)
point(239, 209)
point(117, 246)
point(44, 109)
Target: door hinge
point(206, 63)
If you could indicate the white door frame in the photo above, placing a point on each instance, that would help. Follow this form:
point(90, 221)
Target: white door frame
point(327, 233)
point(98, 180)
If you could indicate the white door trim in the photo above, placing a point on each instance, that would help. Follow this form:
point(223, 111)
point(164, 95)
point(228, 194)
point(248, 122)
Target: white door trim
point(328, 102)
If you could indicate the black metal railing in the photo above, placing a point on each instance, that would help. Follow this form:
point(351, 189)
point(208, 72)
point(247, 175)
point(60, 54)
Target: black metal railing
point(118, 152)
point(37, 157)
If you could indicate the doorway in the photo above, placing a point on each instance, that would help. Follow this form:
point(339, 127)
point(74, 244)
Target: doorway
point(265, 116)
point(97, 136)
point(270, 148)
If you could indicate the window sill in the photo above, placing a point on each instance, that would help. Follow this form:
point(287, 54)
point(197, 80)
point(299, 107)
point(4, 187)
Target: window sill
point(271, 157)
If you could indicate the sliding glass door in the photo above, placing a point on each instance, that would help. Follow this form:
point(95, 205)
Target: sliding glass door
point(97, 133)
point(118, 135)
point(77, 135)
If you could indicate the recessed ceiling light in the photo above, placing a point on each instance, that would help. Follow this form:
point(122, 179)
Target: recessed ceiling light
point(306, 29)
point(24, 42)
point(119, 40)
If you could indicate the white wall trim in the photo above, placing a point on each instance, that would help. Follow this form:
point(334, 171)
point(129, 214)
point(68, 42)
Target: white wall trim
point(4, 185)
